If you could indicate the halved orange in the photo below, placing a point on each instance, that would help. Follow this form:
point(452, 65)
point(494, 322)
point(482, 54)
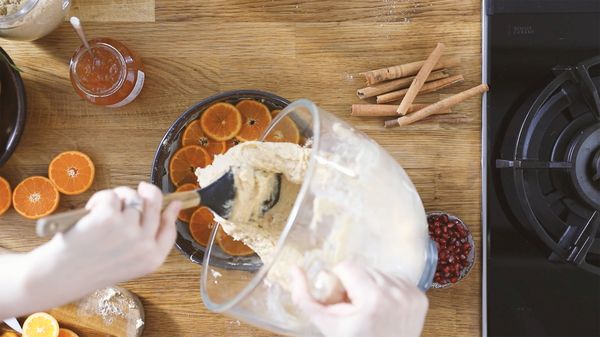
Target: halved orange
point(286, 130)
point(201, 225)
point(40, 324)
point(72, 172)
point(35, 197)
point(255, 119)
point(221, 121)
point(231, 246)
point(193, 135)
point(184, 163)
point(5, 195)
point(66, 333)
point(185, 214)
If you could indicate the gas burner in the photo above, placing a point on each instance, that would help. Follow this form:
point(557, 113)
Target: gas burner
point(584, 155)
point(551, 166)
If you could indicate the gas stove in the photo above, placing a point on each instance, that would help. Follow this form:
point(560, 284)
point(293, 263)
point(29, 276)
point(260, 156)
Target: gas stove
point(541, 168)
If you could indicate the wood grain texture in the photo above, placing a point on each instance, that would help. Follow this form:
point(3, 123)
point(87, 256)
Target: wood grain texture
point(313, 49)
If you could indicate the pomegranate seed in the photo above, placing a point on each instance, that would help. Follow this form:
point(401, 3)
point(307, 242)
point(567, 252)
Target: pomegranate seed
point(438, 231)
point(466, 246)
point(453, 279)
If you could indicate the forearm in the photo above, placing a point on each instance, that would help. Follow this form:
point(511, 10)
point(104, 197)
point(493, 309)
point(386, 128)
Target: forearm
point(39, 280)
point(13, 292)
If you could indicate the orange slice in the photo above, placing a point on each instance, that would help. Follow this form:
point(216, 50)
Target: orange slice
point(9, 334)
point(275, 112)
point(185, 161)
point(201, 225)
point(231, 246)
point(186, 214)
point(66, 333)
point(232, 142)
point(72, 172)
point(35, 197)
point(193, 135)
point(255, 119)
point(221, 121)
point(40, 325)
point(5, 195)
point(285, 131)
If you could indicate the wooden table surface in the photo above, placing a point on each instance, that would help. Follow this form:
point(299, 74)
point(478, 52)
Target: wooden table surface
point(193, 49)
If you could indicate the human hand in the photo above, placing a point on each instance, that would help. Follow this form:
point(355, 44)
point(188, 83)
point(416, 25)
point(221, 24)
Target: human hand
point(113, 243)
point(379, 305)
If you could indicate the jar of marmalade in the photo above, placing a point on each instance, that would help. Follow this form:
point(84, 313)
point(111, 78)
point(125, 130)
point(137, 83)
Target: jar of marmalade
point(111, 75)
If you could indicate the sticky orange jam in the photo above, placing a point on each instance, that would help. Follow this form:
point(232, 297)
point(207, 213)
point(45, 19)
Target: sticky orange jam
point(111, 75)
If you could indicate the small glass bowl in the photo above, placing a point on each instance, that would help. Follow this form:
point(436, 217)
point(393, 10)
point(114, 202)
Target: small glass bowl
point(470, 256)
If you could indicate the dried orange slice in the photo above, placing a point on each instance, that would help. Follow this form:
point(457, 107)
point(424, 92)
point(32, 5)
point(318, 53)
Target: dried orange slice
point(72, 172)
point(221, 121)
point(193, 135)
point(66, 333)
point(5, 195)
point(186, 214)
point(231, 246)
point(40, 325)
point(255, 119)
point(184, 162)
point(201, 225)
point(286, 130)
point(35, 197)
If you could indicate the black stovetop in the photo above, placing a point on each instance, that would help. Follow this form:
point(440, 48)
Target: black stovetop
point(533, 178)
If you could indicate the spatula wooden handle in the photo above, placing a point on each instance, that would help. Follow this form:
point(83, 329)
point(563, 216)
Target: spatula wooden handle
point(62, 222)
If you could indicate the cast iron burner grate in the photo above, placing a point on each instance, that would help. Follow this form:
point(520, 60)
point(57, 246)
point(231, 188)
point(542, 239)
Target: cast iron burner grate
point(550, 172)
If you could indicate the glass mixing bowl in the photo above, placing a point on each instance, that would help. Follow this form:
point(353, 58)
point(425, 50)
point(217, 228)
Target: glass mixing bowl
point(34, 19)
point(355, 202)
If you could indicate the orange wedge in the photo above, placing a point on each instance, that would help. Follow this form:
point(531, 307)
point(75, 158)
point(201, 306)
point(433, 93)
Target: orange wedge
point(40, 325)
point(286, 130)
point(72, 172)
point(186, 214)
point(5, 195)
point(66, 333)
point(231, 246)
point(221, 121)
point(255, 119)
point(201, 225)
point(35, 197)
point(193, 135)
point(184, 163)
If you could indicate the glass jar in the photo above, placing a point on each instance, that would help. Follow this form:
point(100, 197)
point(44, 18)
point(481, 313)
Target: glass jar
point(34, 19)
point(112, 77)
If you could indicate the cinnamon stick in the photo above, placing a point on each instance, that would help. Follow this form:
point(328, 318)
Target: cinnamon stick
point(437, 108)
point(419, 80)
point(427, 87)
point(405, 70)
point(381, 110)
point(400, 83)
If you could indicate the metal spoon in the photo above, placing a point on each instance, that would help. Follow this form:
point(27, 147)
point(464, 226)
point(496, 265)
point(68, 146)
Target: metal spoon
point(76, 23)
point(217, 196)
